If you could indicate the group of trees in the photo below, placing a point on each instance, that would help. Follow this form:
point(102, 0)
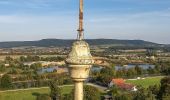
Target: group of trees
point(6, 82)
point(55, 92)
point(2, 68)
point(129, 73)
point(15, 66)
point(164, 91)
point(90, 92)
point(103, 77)
point(154, 92)
point(38, 58)
point(106, 74)
point(165, 67)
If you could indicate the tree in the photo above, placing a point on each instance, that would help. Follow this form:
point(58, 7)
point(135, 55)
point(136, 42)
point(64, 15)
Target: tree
point(36, 66)
point(114, 91)
point(108, 71)
point(138, 70)
point(55, 92)
point(91, 93)
point(105, 76)
point(69, 96)
point(123, 97)
point(150, 96)
point(6, 82)
point(164, 91)
point(8, 58)
point(104, 79)
point(154, 89)
point(165, 97)
point(43, 97)
point(140, 94)
point(23, 59)
point(151, 70)
point(118, 95)
point(151, 52)
point(131, 72)
point(2, 68)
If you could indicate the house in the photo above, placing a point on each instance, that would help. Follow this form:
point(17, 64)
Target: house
point(6, 65)
point(121, 84)
point(128, 87)
point(45, 63)
point(116, 82)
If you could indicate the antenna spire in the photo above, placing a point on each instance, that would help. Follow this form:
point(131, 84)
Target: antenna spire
point(80, 30)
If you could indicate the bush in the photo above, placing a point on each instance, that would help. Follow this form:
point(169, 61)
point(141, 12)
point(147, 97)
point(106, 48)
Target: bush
point(6, 82)
point(43, 97)
point(91, 93)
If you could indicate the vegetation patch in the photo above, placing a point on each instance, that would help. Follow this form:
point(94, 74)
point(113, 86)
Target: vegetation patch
point(146, 82)
point(29, 94)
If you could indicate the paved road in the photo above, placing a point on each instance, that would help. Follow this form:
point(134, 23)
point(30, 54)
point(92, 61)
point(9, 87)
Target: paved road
point(101, 88)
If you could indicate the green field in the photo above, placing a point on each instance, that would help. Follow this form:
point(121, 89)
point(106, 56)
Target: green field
point(29, 94)
point(146, 82)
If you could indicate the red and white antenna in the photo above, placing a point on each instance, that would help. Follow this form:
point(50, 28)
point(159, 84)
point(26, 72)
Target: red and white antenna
point(80, 30)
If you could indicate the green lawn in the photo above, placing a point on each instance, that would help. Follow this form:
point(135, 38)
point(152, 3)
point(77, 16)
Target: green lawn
point(29, 94)
point(146, 82)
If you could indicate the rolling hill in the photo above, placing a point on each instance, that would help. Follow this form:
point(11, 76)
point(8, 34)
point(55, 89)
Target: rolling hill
point(66, 43)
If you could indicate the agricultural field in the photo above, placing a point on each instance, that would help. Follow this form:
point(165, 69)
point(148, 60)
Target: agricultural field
point(29, 94)
point(146, 82)
point(2, 57)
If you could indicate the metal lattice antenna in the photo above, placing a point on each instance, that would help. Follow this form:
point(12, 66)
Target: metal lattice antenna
point(80, 30)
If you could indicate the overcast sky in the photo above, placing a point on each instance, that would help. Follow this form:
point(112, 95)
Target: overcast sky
point(114, 19)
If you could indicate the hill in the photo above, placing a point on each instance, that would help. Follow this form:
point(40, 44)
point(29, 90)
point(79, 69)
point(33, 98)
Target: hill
point(66, 43)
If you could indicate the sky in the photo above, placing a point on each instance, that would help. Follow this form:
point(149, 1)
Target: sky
point(26, 20)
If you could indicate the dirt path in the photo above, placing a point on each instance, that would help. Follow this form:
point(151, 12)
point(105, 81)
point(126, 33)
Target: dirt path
point(101, 88)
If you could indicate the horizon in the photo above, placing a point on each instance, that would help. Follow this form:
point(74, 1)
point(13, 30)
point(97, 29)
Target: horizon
point(31, 20)
point(84, 39)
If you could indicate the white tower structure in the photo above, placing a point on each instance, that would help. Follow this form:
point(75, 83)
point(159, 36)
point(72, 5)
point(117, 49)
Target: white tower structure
point(79, 60)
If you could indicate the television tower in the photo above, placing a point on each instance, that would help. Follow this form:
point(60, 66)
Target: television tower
point(79, 60)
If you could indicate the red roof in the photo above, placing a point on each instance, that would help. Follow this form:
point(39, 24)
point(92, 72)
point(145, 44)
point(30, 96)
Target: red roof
point(118, 81)
point(121, 84)
point(125, 86)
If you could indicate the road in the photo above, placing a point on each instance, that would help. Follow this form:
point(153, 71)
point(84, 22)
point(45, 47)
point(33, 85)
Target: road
point(101, 88)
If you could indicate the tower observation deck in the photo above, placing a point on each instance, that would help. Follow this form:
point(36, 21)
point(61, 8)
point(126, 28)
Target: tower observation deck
point(79, 60)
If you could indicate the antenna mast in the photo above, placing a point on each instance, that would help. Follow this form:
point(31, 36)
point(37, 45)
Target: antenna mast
point(80, 30)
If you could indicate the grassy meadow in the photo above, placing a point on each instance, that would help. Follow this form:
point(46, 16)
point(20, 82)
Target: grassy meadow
point(146, 82)
point(30, 94)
